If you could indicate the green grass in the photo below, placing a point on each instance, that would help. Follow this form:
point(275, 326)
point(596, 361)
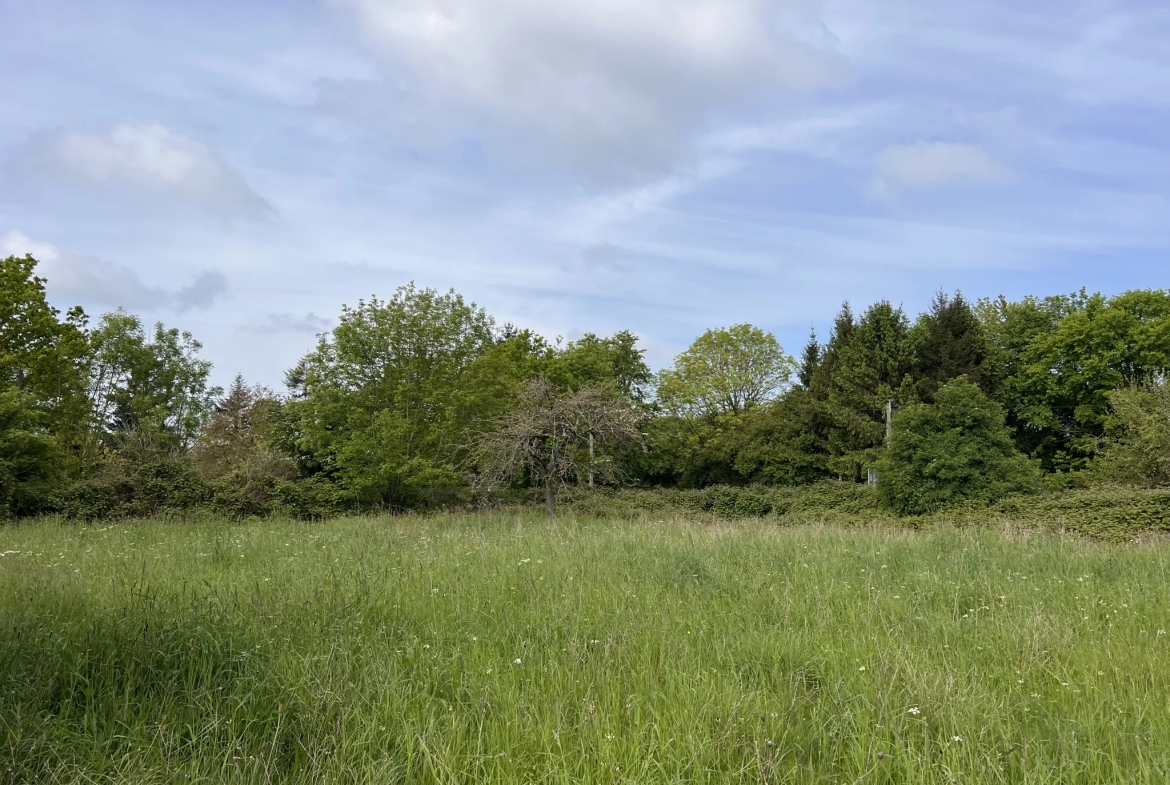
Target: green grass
point(510, 649)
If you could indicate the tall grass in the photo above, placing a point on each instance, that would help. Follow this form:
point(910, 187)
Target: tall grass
point(511, 649)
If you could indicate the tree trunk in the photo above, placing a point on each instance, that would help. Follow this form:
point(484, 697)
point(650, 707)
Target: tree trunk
point(550, 500)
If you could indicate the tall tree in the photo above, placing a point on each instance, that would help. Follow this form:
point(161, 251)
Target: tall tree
point(948, 343)
point(869, 367)
point(235, 438)
point(615, 361)
point(726, 371)
point(156, 383)
point(1058, 391)
point(384, 401)
point(810, 360)
point(41, 354)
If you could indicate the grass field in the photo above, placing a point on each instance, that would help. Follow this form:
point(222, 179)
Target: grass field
point(510, 649)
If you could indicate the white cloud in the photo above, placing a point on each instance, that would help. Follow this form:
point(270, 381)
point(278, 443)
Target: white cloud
point(154, 160)
point(618, 84)
point(78, 279)
point(932, 165)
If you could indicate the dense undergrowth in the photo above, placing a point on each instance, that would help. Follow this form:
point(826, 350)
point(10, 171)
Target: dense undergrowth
point(1106, 512)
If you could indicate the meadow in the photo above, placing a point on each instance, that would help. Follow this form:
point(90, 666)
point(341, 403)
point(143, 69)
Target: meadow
point(514, 649)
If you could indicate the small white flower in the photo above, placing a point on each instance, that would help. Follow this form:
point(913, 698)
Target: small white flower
point(861, 668)
point(957, 739)
point(1100, 673)
point(1161, 632)
point(915, 710)
point(516, 661)
point(489, 670)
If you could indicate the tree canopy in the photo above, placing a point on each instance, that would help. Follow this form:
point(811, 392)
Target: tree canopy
point(415, 400)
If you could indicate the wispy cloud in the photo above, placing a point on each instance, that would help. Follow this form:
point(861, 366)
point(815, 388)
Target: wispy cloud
point(150, 161)
point(933, 165)
point(87, 280)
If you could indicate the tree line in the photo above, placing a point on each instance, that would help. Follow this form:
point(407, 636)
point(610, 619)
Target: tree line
point(423, 400)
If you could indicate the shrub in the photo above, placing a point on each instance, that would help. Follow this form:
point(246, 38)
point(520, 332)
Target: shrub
point(30, 461)
point(122, 488)
point(1141, 453)
point(956, 450)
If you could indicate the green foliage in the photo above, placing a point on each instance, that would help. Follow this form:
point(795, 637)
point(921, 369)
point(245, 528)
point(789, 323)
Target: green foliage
point(615, 361)
point(156, 383)
point(955, 450)
point(30, 459)
point(1106, 512)
point(383, 404)
point(1062, 356)
point(121, 419)
point(865, 365)
point(725, 371)
point(784, 442)
point(134, 486)
point(948, 343)
point(41, 355)
point(1141, 417)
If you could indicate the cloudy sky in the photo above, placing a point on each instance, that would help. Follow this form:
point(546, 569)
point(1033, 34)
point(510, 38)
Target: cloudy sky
point(242, 168)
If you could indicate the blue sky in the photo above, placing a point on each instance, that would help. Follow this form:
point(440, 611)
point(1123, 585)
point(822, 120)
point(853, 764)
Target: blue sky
point(243, 168)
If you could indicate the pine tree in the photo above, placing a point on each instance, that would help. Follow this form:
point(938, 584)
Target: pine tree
point(809, 360)
point(949, 343)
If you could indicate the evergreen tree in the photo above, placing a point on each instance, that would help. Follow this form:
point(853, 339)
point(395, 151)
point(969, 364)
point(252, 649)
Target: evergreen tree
point(948, 343)
point(810, 359)
point(869, 370)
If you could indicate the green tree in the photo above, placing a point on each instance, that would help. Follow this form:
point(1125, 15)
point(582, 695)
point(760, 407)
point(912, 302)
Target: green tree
point(784, 443)
point(948, 342)
point(869, 366)
point(615, 362)
point(384, 403)
point(726, 371)
point(810, 360)
point(1080, 348)
point(954, 450)
point(30, 460)
point(41, 354)
point(156, 385)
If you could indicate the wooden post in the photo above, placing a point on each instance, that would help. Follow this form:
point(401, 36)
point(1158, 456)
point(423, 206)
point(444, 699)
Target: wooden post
point(591, 459)
point(889, 423)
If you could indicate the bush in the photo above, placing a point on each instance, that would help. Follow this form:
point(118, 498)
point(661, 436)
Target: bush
point(30, 461)
point(1141, 454)
point(122, 488)
point(956, 450)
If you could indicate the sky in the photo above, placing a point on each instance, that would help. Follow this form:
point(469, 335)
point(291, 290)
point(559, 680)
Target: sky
point(243, 168)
